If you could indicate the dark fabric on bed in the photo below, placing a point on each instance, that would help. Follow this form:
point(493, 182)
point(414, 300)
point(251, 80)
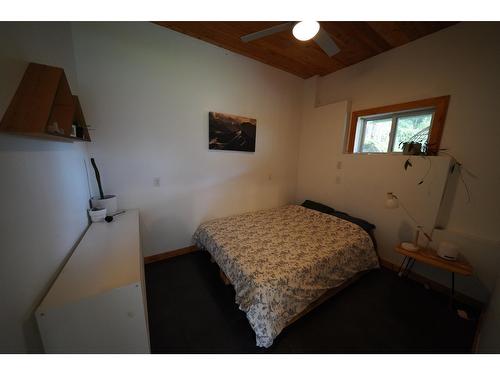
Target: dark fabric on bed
point(318, 207)
point(367, 226)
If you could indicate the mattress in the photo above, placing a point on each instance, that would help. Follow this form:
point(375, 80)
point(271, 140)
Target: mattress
point(281, 260)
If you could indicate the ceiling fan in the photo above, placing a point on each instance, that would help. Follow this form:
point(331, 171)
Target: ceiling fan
point(304, 30)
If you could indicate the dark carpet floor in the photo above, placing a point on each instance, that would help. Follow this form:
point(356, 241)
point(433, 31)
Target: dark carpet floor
point(192, 311)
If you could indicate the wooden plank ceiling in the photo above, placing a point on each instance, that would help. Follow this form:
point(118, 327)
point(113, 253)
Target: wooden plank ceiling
point(357, 41)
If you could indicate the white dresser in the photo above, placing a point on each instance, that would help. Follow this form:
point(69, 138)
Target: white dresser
point(98, 302)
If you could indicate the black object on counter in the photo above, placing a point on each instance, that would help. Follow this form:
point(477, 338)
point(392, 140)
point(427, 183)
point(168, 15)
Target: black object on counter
point(109, 218)
point(98, 177)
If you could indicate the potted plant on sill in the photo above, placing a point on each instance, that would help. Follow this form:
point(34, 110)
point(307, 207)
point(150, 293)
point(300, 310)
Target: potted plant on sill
point(411, 148)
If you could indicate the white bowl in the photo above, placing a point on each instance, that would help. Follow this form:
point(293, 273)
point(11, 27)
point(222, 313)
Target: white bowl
point(109, 203)
point(97, 215)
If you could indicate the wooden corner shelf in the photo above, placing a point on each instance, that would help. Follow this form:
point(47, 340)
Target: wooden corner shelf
point(43, 106)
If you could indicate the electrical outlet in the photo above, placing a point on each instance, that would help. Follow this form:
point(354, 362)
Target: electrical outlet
point(339, 165)
point(156, 181)
point(338, 180)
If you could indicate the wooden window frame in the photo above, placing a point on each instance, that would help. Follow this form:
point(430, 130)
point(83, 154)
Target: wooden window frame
point(438, 104)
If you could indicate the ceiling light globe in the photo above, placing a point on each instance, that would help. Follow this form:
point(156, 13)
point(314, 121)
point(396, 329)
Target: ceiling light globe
point(305, 30)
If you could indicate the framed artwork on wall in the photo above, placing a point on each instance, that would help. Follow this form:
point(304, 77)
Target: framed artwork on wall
point(231, 132)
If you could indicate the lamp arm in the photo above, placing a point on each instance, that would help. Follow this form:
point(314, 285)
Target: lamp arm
point(420, 227)
point(427, 236)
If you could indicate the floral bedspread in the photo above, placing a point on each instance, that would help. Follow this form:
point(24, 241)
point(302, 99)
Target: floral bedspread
point(280, 260)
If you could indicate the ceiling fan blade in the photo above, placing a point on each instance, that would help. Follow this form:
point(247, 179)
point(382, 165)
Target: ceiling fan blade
point(326, 43)
point(269, 31)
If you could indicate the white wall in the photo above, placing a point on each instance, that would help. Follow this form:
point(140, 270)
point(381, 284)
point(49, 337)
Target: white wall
point(358, 184)
point(43, 187)
point(458, 61)
point(147, 91)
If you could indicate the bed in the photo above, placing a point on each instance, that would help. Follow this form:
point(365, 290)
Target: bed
point(281, 261)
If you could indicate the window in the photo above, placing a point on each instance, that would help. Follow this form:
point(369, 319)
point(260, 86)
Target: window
point(385, 129)
point(387, 133)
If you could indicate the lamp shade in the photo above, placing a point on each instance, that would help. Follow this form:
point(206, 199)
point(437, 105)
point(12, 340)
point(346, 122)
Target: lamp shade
point(391, 201)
